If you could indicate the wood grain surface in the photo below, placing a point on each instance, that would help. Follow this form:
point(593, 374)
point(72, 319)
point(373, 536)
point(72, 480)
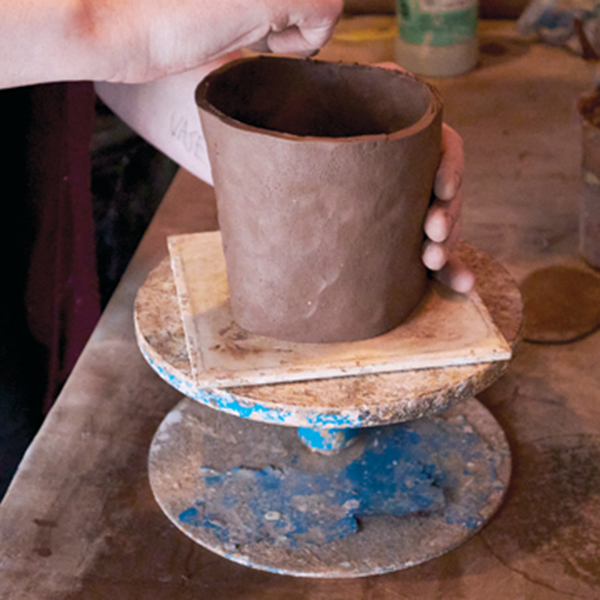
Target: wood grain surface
point(79, 521)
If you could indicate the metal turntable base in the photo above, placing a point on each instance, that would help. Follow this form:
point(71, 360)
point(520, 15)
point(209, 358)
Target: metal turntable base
point(400, 495)
point(343, 477)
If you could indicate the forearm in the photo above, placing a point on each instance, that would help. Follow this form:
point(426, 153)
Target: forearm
point(141, 40)
point(101, 40)
point(42, 41)
point(164, 113)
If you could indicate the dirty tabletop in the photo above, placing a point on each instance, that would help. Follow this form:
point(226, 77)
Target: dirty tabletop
point(80, 522)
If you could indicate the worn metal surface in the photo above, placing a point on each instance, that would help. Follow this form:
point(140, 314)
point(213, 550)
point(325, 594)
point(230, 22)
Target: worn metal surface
point(399, 496)
point(561, 304)
point(80, 522)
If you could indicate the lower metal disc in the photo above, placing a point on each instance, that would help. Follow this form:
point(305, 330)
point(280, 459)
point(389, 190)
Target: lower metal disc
point(400, 495)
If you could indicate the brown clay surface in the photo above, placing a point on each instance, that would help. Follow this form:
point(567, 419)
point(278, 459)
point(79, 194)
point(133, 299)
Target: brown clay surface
point(589, 109)
point(323, 174)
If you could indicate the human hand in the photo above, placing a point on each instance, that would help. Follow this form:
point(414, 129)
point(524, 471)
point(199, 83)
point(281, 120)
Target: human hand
point(171, 38)
point(442, 221)
point(304, 32)
point(137, 41)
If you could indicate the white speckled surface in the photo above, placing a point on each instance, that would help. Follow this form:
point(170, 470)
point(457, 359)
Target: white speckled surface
point(445, 330)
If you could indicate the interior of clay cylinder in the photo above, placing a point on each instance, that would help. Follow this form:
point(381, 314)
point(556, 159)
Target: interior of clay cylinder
point(317, 99)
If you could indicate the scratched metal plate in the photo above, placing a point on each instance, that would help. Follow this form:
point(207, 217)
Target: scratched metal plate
point(401, 495)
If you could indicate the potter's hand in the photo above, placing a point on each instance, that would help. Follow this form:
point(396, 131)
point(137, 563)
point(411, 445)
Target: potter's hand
point(135, 41)
point(182, 35)
point(442, 222)
point(304, 30)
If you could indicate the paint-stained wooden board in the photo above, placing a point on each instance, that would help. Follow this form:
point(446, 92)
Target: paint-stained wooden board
point(446, 329)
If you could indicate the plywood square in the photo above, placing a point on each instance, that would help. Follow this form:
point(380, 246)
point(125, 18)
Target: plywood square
point(444, 330)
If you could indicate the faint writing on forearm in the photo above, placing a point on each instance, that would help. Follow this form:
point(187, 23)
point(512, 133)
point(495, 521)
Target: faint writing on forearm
point(188, 135)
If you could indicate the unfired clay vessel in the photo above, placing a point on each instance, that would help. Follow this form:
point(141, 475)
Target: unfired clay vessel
point(323, 174)
point(589, 216)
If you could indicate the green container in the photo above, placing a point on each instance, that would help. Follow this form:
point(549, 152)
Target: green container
point(437, 38)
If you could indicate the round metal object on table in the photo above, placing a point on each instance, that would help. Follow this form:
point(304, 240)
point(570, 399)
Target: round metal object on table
point(347, 402)
point(561, 304)
point(400, 495)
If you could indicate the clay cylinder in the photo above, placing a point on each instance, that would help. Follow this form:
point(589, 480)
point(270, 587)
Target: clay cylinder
point(323, 174)
point(589, 216)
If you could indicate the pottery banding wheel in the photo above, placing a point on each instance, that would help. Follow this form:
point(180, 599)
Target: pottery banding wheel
point(400, 495)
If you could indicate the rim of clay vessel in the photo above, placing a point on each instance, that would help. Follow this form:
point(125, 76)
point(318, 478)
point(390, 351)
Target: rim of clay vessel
point(280, 96)
point(589, 109)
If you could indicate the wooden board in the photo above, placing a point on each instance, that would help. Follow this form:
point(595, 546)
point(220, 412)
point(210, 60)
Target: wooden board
point(352, 401)
point(446, 329)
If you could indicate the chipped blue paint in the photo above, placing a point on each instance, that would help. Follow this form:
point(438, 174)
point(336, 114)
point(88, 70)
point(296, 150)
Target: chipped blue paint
point(467, 447)
point(236, 405)
point(333, 420)
point(400, 469)
point(327, 440)
point(283, 508)
point(233, 404)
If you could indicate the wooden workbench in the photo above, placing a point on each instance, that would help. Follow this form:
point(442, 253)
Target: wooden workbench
point(80, 522)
